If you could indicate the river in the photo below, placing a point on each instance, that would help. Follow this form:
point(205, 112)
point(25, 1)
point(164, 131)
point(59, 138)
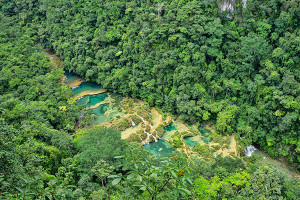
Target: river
point(141, 123)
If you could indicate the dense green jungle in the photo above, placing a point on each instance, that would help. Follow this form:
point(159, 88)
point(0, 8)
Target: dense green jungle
point(149, 99)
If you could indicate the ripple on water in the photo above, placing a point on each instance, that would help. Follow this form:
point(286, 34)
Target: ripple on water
point(205, 134)
point(159, 148)
point(106, 111)
point(170, 127)
point(189, 141)
point(71, 78)
point(86, 87)
point(99, 114)
point(98, 98)
point(84, 100)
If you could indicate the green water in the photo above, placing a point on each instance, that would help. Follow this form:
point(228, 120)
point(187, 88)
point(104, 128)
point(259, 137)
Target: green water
point(84, 100)
point(108, 111)
point(86, 86)
point(159, 148)
point(104, 112)
point(189, 141)
point(204, 132)
point(99, 114)
point(98, 98)
point(170, 127)
point(70, 78)
point(92, 100)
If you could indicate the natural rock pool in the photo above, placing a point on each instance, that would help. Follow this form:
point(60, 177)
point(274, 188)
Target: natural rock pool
point(205, 134)
point(159, 148)
point(106, 108)
point(137, 121)
point(190, 142)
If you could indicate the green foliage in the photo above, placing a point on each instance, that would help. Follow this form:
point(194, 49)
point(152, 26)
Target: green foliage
point(216, 137)
point(96, 144)
point(206, 189)
point(228, 187)
point(215, 148)
point(242, 74)
point(136, 119)
point(33, 125)
point(143, 135)
point(153, 179)
point(230, 165)
point(269, 183)
point(134, 138)
point(160, 130)
point(102, 169)
point(98, 195)
point(176, 141)
point(226, 119)
point(123, 124)
point(203, 150)
point(148, 128)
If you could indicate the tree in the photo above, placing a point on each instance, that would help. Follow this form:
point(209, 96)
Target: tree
point(102, 170)
point(156, 179)
point(97, 144)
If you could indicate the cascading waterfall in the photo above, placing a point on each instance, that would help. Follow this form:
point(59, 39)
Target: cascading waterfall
point(79, 98)
point(148, 135)
point(156, 134)
point(154, 138)
point(132, 123)
point(239, 136)
point(228, 5)
point(142, 119)
point(250, 150)
point(142, 140)
point(74, 87)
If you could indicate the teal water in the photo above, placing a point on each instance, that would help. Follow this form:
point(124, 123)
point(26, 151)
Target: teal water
point(189, 141)
point(99, 114)
point(84, 100)
point(159, 148)
point(162, 145)
point(107, 111)
point(170, 127)
point(205, 134)
point(70, 77)
point(98, 98)
point(86, 86)
point(92, 100)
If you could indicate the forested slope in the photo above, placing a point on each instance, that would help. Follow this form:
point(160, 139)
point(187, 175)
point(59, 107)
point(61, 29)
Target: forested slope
point(36, 112)
point(242, 74)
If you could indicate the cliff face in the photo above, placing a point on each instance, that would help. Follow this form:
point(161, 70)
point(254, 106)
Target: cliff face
point(228, 5)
